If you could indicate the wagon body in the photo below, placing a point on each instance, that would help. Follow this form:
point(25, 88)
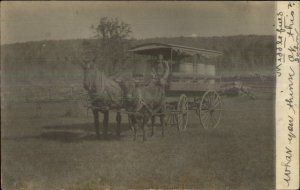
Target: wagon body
point(196, 91)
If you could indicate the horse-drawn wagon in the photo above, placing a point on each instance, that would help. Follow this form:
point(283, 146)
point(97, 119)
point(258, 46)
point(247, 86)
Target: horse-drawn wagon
point(175, 71)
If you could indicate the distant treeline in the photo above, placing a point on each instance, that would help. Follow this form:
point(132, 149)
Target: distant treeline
point(61, 57)
point(238, 51)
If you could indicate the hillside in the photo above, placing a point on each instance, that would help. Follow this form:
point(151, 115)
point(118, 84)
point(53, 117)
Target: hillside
point(57, 61)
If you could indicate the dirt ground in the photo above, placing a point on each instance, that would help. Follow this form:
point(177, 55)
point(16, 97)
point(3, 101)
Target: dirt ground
point(53, 151)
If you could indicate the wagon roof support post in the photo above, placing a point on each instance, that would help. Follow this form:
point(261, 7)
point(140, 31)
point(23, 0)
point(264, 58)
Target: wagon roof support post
point(171, 65)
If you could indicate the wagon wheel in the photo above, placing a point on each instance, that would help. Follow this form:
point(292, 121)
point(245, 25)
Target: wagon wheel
point(209, 109)
point(182, 113)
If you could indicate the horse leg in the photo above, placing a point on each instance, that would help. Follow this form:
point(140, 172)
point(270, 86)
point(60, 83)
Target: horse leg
point(132, 120)
point(152, 125)
point(135, 130)
point(118, 118)
point(162, 122)
point(96, 122)
point(105, 123)
point(144, 122)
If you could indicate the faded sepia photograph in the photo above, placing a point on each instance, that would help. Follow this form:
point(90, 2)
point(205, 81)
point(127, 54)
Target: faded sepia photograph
point(138, 95)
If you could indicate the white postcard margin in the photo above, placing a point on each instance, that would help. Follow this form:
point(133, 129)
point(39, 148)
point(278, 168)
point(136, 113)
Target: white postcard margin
point(287, 94)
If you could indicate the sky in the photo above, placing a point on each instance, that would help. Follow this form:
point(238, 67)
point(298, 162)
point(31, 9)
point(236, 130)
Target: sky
point(52, 20)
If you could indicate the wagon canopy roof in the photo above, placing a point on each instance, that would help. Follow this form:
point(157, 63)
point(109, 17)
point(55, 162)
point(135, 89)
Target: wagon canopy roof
point(177, 50)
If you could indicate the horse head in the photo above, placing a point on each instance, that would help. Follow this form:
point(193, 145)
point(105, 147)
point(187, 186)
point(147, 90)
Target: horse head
point(89, 76)
point(87, 58)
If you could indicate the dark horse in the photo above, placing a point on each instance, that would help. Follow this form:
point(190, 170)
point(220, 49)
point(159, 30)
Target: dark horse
point(147, 101)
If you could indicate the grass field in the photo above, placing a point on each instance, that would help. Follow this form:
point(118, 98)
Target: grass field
point(57, 152)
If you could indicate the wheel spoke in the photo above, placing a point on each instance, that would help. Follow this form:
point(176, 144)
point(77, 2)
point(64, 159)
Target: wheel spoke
point(205, 114)
point(210, 99)
point(216, 102)
point(216, 108)
point(209, 119)
point(214, 119)
point(212, 96)
point(206, 101)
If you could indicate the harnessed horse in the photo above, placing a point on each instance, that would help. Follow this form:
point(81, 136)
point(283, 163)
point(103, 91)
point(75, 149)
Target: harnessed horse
point(141, 102)
point(104, 94)
point(147, 101)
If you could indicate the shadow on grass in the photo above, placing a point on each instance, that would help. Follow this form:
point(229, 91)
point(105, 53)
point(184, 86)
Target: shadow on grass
point(74, 137)
point(74, 133)
point(85, 127)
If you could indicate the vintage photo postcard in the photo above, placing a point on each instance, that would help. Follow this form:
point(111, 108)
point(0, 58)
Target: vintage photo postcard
point(149, 95)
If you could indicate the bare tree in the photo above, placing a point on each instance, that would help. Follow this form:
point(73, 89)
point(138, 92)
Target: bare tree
point(113, 41)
